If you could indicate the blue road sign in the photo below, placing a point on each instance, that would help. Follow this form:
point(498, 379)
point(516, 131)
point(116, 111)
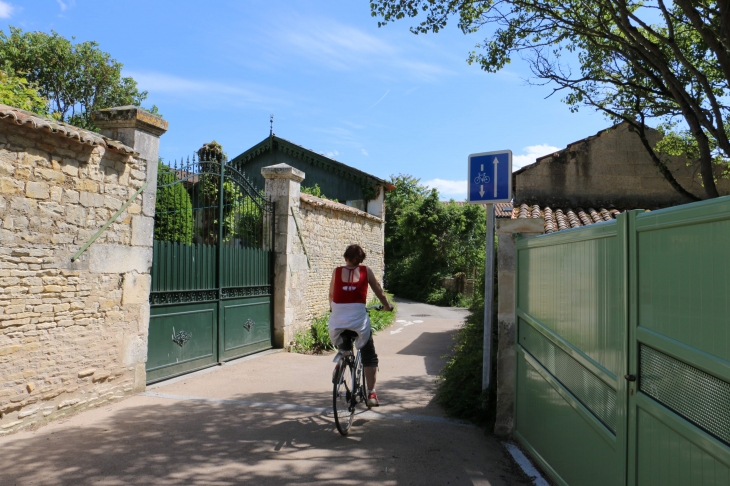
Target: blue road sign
point(490, 177)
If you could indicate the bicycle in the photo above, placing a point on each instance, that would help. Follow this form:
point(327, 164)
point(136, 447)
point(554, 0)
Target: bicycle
point(482, 178)
point(348, 379)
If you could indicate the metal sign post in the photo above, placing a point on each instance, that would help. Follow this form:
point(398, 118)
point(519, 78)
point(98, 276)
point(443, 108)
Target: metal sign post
point(489, 182)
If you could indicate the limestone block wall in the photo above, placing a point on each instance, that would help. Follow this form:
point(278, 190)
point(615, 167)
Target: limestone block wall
point(610, 169)
point(72, 335)
point(327, 229)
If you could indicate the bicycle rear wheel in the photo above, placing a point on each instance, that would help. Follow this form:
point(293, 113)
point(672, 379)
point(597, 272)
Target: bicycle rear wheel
point(343, 399)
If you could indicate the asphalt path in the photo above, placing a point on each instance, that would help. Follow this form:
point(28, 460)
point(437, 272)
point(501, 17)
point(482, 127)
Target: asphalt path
point(268, 421)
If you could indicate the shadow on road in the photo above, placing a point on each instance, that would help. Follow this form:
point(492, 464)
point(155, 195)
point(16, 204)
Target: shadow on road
point(197, 443)
point(431, 346)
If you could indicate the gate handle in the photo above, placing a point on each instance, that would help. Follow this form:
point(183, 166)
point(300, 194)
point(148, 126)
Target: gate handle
point(630, 377)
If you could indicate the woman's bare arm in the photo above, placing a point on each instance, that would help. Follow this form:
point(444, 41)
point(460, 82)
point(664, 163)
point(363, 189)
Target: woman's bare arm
point(332, 288)
point(375, 285)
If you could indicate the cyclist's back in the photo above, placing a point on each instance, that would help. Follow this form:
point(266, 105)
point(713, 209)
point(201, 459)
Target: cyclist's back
point(348, 296)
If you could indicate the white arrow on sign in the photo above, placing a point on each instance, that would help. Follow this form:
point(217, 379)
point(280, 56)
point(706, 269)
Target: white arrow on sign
point(481, 191)
point(496, 162)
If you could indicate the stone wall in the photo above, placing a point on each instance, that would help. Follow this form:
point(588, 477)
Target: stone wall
point(610, 169)
point(72, 335)
point(327, 228)
point(311, 235)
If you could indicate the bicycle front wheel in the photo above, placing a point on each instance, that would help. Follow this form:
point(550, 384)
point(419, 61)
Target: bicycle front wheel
point(343, 398)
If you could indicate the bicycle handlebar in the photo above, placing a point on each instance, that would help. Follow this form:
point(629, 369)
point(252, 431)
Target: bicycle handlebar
point(377, 307)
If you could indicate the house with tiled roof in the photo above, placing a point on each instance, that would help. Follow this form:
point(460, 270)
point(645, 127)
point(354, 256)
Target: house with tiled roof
point(337, 181)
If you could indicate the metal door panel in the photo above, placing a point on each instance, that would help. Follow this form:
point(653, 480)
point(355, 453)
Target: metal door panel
point(679, 410)
point(565, 438)
point(181, 339)
point(247, 326)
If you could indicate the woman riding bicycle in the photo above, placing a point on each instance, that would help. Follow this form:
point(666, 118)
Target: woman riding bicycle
point(348, 296)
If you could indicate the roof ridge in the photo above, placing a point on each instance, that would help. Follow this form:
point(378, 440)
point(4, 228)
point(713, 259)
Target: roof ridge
point(256, 149)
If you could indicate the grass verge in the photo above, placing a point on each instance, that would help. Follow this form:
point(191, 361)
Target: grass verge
point(316, 339)
point(459, 388)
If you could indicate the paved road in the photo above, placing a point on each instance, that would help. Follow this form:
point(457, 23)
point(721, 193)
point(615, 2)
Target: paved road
point(266, 421)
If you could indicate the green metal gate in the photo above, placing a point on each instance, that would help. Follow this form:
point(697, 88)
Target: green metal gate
point(211, 268)
point(623, 349)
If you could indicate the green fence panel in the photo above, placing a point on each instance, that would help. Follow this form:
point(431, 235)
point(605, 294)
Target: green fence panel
point(571, 357)
point(679, 426)
point(623, 349)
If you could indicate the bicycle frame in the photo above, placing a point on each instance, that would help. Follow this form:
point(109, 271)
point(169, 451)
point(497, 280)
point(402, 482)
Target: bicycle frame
point(358, 394)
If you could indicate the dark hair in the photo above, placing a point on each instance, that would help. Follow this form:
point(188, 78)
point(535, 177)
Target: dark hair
point(355, 254)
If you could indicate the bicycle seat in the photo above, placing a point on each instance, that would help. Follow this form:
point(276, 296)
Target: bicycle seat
point(348, 334)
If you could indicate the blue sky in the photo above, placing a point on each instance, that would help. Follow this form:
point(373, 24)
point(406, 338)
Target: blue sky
point(379, 99)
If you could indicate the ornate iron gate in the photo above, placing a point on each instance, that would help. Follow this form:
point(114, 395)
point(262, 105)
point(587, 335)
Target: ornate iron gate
point(211, 267)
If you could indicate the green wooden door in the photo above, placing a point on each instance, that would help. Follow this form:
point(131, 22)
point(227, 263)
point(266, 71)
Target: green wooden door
point(211, 273)
point(679, 405)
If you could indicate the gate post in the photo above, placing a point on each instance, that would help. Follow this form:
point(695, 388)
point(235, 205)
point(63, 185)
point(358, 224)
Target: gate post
point(507, 230)
point(283, 184)
point(140, 130)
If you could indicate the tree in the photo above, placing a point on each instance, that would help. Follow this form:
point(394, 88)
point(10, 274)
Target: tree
point(18, 92)
point(173, 208)
point(76, 79)
point(427, 240)
point(242, 206)
point(636, 60)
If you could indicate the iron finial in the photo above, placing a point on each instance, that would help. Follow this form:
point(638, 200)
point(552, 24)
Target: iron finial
point(271, 130)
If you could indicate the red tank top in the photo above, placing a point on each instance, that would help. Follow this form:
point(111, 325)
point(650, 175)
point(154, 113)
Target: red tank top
point(347, 292)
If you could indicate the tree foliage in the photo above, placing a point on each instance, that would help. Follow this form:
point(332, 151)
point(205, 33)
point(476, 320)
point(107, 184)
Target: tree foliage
point(18, 92)
point(631, 60)
point(242, 211)
point(75, 78)
point(427, 240)
point(173, 208)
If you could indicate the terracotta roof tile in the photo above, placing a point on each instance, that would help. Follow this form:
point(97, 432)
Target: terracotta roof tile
point(22, 117)
point(328, 204)
point(503, 210)
point(559, 219)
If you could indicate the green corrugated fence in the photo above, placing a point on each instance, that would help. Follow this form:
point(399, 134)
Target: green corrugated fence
point(623, 349)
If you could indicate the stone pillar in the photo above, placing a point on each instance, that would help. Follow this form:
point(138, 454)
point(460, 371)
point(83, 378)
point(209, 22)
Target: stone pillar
point(140, 130)
point(507, 230)
point(283, 183)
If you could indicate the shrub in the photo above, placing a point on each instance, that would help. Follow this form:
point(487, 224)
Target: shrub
point(427, 240)
point(316, 339)
point(173, 208)
point(459, 388)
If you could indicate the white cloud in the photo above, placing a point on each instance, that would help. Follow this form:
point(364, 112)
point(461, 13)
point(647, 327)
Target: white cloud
point(449, 189)
point(333, 44)
point(332, 154)
point(6, 10)
point(343, 47)
point(203, 90)
point(531, 153)
point(65, 4)
point(364, 152)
